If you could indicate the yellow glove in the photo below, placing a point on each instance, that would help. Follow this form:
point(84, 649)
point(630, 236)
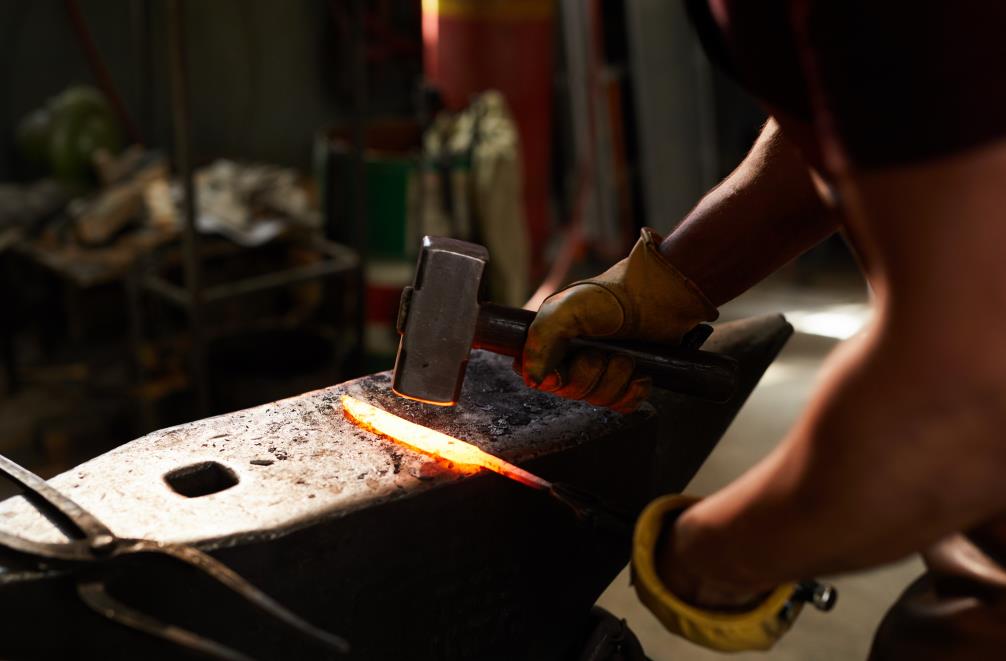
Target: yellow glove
point(757, 629)
point(642, 297)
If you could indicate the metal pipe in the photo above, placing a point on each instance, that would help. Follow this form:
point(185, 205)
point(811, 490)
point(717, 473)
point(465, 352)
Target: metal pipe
point(143, 75)
point(359, 85)
point(285, 278)
point(167, 290)
point(183, 161)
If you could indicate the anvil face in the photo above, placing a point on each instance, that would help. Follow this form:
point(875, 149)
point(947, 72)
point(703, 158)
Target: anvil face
point(401, 555)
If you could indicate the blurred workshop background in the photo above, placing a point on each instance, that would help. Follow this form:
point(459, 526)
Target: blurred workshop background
point(206, 206)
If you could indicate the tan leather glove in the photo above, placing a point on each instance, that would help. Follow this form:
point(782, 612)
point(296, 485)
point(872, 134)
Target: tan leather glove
point(642, 297)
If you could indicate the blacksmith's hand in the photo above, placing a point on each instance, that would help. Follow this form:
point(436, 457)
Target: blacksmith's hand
point(642, 297)
point(750, 622)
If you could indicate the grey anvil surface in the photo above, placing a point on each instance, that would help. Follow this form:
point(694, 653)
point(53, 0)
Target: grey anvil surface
point(387, 547)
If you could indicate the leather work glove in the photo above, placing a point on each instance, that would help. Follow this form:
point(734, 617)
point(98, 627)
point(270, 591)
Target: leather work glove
point(756, 629)
point(642, 297)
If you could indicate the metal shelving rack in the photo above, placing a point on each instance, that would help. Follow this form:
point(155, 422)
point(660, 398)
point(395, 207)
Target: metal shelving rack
point(193, 298)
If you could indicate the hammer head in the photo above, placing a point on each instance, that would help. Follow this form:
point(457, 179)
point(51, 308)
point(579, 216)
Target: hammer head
point(437, 320)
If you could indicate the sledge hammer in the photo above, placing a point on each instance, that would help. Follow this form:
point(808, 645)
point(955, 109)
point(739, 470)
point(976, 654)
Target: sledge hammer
point(442, 317)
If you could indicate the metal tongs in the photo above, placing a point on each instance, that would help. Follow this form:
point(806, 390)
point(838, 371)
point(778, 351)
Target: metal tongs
point(93, 549)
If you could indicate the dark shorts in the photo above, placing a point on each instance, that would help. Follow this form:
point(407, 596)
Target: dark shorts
point(956, 610)
point(891, 82)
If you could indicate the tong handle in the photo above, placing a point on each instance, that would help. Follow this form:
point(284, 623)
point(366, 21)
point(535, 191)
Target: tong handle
point(67, 515)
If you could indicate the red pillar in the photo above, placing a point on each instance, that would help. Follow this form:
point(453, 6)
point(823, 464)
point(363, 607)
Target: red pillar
point(474, 45)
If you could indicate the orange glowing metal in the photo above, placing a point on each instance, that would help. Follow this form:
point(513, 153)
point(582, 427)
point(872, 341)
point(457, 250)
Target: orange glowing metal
point(433, 442)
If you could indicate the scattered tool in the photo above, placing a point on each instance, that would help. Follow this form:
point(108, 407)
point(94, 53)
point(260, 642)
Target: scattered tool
point(442, 317)
point(93, 550)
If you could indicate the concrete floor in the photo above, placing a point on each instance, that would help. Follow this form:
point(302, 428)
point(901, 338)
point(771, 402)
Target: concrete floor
point(823, 314)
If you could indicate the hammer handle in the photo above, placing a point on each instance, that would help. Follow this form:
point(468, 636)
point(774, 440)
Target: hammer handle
point(688, 371)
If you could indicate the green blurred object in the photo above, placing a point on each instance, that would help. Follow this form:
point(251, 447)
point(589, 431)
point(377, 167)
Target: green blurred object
point(61, 138)
point(389, 193)
point(388, 186)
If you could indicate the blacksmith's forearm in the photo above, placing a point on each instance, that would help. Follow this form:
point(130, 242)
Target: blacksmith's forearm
point(863, 477)
point(760, 217)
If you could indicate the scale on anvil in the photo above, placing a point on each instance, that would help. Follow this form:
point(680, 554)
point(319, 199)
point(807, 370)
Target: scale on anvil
point(464, 568)
point(586, 507)
point(467, 456)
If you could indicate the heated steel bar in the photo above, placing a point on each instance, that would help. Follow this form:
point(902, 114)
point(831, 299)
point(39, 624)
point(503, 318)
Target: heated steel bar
point(404, 558)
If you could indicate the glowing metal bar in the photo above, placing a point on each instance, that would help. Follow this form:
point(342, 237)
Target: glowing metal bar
point(433, 442)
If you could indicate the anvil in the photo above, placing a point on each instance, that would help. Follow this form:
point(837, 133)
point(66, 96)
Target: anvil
point(392, 550)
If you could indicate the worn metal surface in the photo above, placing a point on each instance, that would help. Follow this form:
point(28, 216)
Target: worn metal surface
point(298, 460)
point(93, 552)
point(403, 557)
